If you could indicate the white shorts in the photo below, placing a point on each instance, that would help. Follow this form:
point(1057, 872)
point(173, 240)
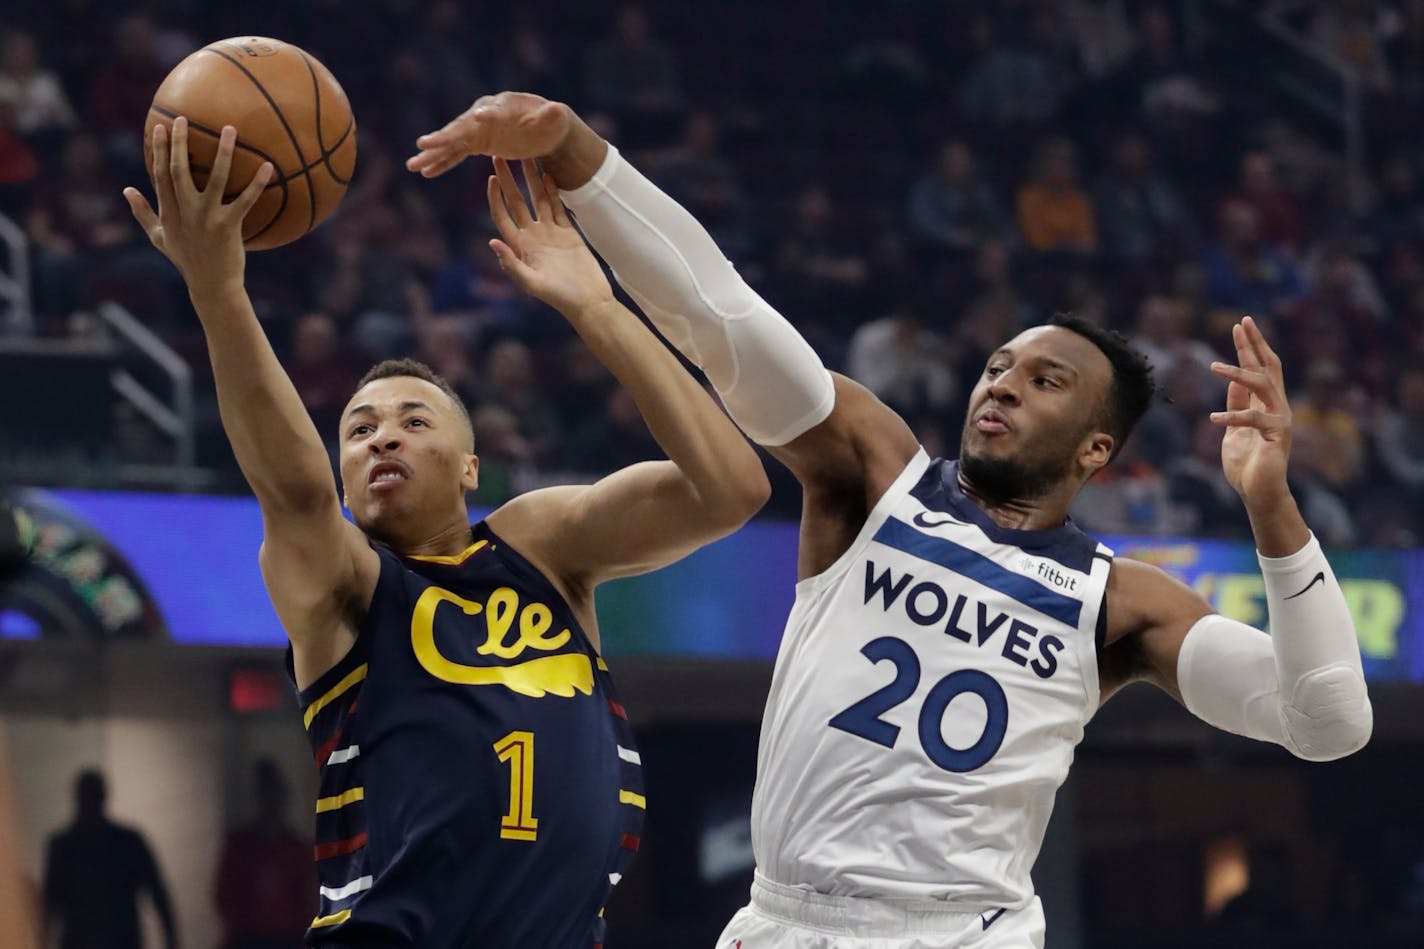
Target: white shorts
point(783, 917)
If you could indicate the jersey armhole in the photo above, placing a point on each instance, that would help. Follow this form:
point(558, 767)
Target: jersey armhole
point(912, 473)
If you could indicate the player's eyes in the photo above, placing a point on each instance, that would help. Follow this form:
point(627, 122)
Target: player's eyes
point(993, 371)
point(359, 430)
point(418, 421)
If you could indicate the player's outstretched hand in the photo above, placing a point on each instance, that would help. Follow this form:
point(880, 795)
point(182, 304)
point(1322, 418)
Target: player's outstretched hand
point(511, 125)
point(540, 250)
point(1256, 448)
point(195, 229)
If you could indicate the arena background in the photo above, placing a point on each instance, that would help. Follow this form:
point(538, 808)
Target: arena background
point(910, 182)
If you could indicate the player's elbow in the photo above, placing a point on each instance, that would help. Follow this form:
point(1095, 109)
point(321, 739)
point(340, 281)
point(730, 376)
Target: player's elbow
point(1330, 716)
point(745, 494)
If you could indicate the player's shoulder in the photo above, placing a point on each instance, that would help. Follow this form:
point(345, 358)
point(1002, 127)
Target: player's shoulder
point(1143, 596)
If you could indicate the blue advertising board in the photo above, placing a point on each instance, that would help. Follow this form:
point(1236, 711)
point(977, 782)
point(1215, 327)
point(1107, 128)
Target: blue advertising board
point(185, 567)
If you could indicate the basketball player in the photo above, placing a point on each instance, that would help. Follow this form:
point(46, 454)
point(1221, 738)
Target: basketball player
point(952, 631)
point(479, 784)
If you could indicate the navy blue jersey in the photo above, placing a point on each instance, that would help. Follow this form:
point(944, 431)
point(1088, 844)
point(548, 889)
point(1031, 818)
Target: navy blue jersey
point(479, 782)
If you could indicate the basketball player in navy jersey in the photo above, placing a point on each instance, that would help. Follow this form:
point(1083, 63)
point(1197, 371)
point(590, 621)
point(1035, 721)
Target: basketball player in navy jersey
point(479, 785)
point(953, 631)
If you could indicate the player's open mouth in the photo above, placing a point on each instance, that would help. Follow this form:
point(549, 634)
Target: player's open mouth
point(387, 472)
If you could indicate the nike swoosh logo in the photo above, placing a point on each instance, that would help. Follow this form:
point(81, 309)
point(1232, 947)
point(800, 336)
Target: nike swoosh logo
point(992, 919)
point(1318, 578)
point(922, 519)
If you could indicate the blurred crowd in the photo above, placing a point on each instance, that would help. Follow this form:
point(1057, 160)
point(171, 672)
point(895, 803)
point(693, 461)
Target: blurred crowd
point(911, 182)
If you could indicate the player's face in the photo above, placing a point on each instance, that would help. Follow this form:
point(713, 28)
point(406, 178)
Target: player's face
point(405, 457)
point(1032, 416)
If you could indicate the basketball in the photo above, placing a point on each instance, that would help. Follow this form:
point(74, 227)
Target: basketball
point(287, 108)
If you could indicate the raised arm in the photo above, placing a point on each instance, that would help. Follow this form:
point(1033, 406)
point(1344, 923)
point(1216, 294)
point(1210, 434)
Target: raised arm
point(1303, 686)
point(842, 443)
point(649, 514)
point(315, 563)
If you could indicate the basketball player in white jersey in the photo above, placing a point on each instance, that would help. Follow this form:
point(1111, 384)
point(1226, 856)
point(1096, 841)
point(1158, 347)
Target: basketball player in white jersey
point(953, 631)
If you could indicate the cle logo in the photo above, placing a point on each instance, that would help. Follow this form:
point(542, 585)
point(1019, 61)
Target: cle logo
point(560, 675)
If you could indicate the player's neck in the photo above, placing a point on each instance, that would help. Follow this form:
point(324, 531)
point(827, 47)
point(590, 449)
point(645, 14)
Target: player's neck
point(1022, 514)
point(451, 540)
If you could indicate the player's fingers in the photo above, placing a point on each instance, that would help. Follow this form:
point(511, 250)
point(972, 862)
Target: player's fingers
point(556, 203)
point(162, 174)
point(513, 198)
point(1238, 397)
point(222, 166)
point(505, 224)
point(1264, 422)
point(244, 201)
point(538, 194)
point(1262, 349)
point(178, 161)
point(1245, 353)
point(1257, 381)
point(143, 213)
point(509, 262)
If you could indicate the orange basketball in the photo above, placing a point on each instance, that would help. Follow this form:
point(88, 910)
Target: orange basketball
point(287, 108)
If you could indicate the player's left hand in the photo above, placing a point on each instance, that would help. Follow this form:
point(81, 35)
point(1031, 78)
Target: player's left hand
point(540, 250)
point(1256, 448)
point(512, 125)
point(196, 229)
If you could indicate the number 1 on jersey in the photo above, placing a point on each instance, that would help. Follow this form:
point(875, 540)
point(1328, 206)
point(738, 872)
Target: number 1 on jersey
point(518, 749)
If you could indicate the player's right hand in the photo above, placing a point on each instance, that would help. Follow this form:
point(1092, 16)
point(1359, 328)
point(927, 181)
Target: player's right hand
point(194, 229)
point(511, 125)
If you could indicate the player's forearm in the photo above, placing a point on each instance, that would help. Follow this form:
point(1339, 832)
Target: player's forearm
point(1277, 525)
point(578, 157)
point(770, 379)
point(1304, 686)
point(273, 438)
point(687, 424)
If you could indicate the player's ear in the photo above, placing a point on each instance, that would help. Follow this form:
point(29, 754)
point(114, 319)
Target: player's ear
point(470, 477)
point(1097, 451)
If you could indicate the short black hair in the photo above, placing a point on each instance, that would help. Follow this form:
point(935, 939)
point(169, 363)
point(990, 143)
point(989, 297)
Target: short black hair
point(414, 368)
point(1133, 387)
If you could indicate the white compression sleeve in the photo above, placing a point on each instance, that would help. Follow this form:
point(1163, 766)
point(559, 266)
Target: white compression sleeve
point(1302, 687)
point(772, 382)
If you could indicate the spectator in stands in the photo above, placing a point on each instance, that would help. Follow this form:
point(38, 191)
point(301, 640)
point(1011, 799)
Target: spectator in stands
point(123, 88)
point(1282, 219)
point(904, 362)
point(618, 439)
point(322, 371)
point(19, 166)
point(1352, 33)
point(1245, 272)
point(42, 109)
point(698, 175)
point(1328, 412)
point(1013, 87)
point(1324, 509)
point(506, 457)
point(472, 285)
point(579, 388)
point(952, 207)
point(636, 78)
point(1168, 90)
point(1399, 443)
point(1138, 212)
point(824, 271)
point(78, 227)
point(1195, 483)
point(529, 61)
point(1053, 212)
point(1165, 334)
point(508, 378)
point(1398, 213)
point(265, 878)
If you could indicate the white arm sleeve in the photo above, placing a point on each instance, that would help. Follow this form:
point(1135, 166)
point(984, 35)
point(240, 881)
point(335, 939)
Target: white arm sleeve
point(1302, 687)
point(772, 382)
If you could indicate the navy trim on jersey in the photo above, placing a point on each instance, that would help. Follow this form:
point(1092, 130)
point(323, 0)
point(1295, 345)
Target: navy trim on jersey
point(968, 563)
point(1066, 544)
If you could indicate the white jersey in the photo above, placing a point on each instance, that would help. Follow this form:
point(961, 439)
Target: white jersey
point(928, 694)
